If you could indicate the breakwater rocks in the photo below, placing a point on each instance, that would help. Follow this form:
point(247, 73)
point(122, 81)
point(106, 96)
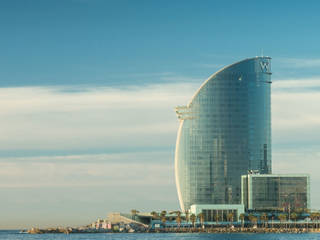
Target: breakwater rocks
point(64, 230)
point(182, 230)
point(240, 230)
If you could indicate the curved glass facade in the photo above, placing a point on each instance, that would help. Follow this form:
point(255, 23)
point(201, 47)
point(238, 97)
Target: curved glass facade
point(224, 131)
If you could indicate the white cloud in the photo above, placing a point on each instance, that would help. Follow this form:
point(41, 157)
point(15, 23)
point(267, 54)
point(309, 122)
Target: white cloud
point(93, 171)
point(294, 111)
point(35, 118)
point(47, 118)
point(296, 84)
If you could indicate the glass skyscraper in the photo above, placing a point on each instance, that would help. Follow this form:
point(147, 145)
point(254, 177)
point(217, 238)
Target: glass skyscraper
point(225, 130)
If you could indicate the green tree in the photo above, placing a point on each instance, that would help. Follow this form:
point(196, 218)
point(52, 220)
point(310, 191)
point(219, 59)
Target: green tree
point(253, 219)
point(154, 215)
point(163, 217)
point(163, 213)
point(294, 217)
point(264, 219)
point(164, 220)
point(201, 218)
point(193, 219)
point(178, 220)
point(282, 218)
point(230, 217)
point(313, 217)
point(250, 218)
point(186, 212)
point(242, 217)
point(178, 213)
point(317, 218)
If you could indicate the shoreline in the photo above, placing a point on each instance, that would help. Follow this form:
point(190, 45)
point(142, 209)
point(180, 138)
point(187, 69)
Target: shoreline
point(220, 230)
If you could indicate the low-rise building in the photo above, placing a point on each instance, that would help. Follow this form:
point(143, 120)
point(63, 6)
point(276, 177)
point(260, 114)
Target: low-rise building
point(285, 192)
point(218, 212)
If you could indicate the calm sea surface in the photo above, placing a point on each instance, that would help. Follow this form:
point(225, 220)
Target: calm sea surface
point(14, 235)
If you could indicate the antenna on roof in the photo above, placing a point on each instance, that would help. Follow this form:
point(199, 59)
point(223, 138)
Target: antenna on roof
point(261, 52)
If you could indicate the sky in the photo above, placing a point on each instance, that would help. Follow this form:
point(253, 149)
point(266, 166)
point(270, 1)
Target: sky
point(88, 90)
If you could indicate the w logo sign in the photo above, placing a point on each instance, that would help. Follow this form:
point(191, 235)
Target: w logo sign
point(264, 66)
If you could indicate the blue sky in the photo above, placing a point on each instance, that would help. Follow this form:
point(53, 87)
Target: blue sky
point(104, 42)
point(88, 90)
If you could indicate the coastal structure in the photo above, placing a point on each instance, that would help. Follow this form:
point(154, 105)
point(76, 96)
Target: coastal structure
point(225, 130)
point(140, 218)
point(267, 192)
point(223, 160)
point(220, 213)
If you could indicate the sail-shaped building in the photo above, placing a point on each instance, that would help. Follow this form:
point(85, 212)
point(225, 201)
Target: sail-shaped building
point(225, 131)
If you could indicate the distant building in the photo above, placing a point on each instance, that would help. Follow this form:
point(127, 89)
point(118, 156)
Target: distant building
point(285, 192)
point(140, 218)
point(104, 224)
point(99, 224)
point(225, 130)
point(218, 213)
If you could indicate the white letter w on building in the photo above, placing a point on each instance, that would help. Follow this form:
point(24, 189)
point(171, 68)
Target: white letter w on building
point(264, 66)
